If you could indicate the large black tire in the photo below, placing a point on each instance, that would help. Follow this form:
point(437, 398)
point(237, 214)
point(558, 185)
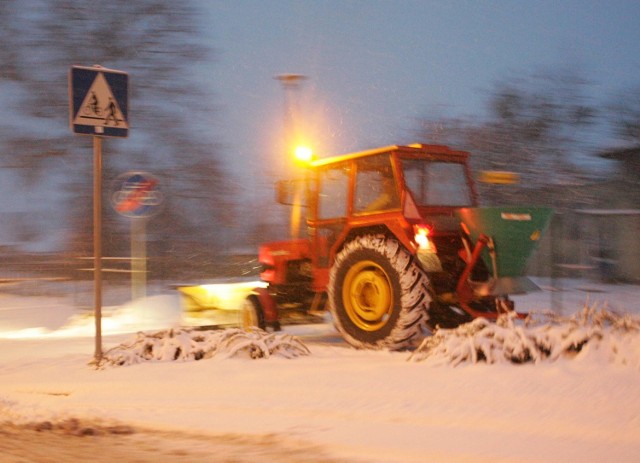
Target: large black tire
point(378, 296)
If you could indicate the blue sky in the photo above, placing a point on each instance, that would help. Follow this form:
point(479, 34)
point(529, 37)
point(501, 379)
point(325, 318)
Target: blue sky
point(377, 67)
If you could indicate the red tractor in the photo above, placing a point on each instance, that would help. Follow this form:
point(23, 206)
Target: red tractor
point(395, 245)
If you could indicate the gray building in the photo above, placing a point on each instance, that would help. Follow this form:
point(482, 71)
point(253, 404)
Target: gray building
point(610, 230)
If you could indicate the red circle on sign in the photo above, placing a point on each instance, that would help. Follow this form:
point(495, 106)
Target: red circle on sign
point(136, 195)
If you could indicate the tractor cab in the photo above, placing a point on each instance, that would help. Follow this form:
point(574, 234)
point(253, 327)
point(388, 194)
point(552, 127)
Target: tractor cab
point(397, 190)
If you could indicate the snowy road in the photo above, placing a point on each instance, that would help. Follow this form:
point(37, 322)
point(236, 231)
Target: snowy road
point(22, 444)
point(337, 404)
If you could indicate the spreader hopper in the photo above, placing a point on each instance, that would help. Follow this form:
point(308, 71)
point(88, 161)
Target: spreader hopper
point(510, 234)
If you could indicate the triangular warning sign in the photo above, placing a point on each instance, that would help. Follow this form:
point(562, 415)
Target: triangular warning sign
point(99, 107)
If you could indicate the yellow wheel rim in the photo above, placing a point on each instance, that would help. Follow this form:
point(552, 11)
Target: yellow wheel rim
point(367, 295)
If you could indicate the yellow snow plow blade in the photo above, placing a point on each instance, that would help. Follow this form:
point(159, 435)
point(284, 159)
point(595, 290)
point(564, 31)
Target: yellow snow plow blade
point(223, 295)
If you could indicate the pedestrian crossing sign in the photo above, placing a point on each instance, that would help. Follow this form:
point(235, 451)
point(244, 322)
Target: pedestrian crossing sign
point(99, 101)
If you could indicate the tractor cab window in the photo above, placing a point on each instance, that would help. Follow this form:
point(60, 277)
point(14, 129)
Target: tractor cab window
point(333, 190)
point(437, 183)
point(375, 188)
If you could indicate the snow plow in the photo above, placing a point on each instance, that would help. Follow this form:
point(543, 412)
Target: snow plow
point(395, 245)
point(217, 303)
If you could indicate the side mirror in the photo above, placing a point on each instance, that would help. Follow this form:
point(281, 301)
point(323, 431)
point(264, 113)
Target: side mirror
point(499, 177)
point(291, 192)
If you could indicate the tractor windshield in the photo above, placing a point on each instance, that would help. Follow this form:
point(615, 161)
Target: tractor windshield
point(437, 183)
point(375, 186)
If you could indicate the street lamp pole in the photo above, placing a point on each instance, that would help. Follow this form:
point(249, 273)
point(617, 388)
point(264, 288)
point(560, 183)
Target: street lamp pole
point(290, 83)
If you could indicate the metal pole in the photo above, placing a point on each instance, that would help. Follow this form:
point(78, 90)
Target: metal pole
point(556, 277)
point(97, 242)
point(291, 83)
point(138, 258)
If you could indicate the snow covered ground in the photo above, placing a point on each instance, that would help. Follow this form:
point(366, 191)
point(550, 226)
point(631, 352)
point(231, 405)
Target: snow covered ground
point(335, 403)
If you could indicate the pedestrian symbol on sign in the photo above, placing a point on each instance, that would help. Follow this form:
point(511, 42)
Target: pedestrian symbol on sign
point(99, 107)
point(112, 110)
point(93, 108)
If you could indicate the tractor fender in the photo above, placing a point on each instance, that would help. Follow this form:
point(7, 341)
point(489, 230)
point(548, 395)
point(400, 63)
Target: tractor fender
point(268, 304)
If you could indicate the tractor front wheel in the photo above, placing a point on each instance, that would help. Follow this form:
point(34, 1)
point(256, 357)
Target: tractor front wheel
point(252, 313)
point(378, 295)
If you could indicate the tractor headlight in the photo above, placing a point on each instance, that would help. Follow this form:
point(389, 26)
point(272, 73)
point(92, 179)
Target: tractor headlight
point(427, 252)
point(421, 237)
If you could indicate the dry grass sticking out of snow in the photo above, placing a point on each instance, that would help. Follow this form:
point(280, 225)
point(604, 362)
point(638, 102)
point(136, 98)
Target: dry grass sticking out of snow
point(188, 344)
point(590, 332)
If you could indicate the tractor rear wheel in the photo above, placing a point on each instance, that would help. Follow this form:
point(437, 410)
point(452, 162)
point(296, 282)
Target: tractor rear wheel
point(378, 296)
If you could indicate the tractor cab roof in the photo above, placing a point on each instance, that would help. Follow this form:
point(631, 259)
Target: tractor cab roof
point(414, 150)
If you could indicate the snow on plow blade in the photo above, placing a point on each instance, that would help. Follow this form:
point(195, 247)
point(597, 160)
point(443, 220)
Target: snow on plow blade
point(514, 232)
point(218, 302)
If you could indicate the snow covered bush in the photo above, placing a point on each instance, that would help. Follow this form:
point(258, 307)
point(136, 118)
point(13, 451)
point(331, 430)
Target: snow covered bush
point(591, 331)
point(189, 344)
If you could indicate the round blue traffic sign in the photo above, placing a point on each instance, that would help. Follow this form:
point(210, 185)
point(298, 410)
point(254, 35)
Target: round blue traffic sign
point(136, 195)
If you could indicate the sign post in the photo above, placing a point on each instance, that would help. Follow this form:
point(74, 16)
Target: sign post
point(137, 195)
point(97, 243)
point(98, 106)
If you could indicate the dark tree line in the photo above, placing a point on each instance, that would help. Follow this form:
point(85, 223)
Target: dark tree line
point(159, 44)
point(624, 109)
point(542, 127)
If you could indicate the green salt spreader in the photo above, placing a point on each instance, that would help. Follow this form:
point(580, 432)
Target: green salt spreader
point(505, 238)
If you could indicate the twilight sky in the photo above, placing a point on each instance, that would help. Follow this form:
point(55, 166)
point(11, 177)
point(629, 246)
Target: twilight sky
point(376, 67)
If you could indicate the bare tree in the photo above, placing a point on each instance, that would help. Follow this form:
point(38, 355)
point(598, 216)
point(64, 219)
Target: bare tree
point(535, 127)
point(624, 114)
point(158, 43)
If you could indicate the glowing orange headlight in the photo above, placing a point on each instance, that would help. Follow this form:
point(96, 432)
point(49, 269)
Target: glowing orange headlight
point(421, 237)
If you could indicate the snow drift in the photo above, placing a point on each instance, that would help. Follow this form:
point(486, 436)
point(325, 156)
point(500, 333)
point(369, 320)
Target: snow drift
point(190, 344)
point(591, 331)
